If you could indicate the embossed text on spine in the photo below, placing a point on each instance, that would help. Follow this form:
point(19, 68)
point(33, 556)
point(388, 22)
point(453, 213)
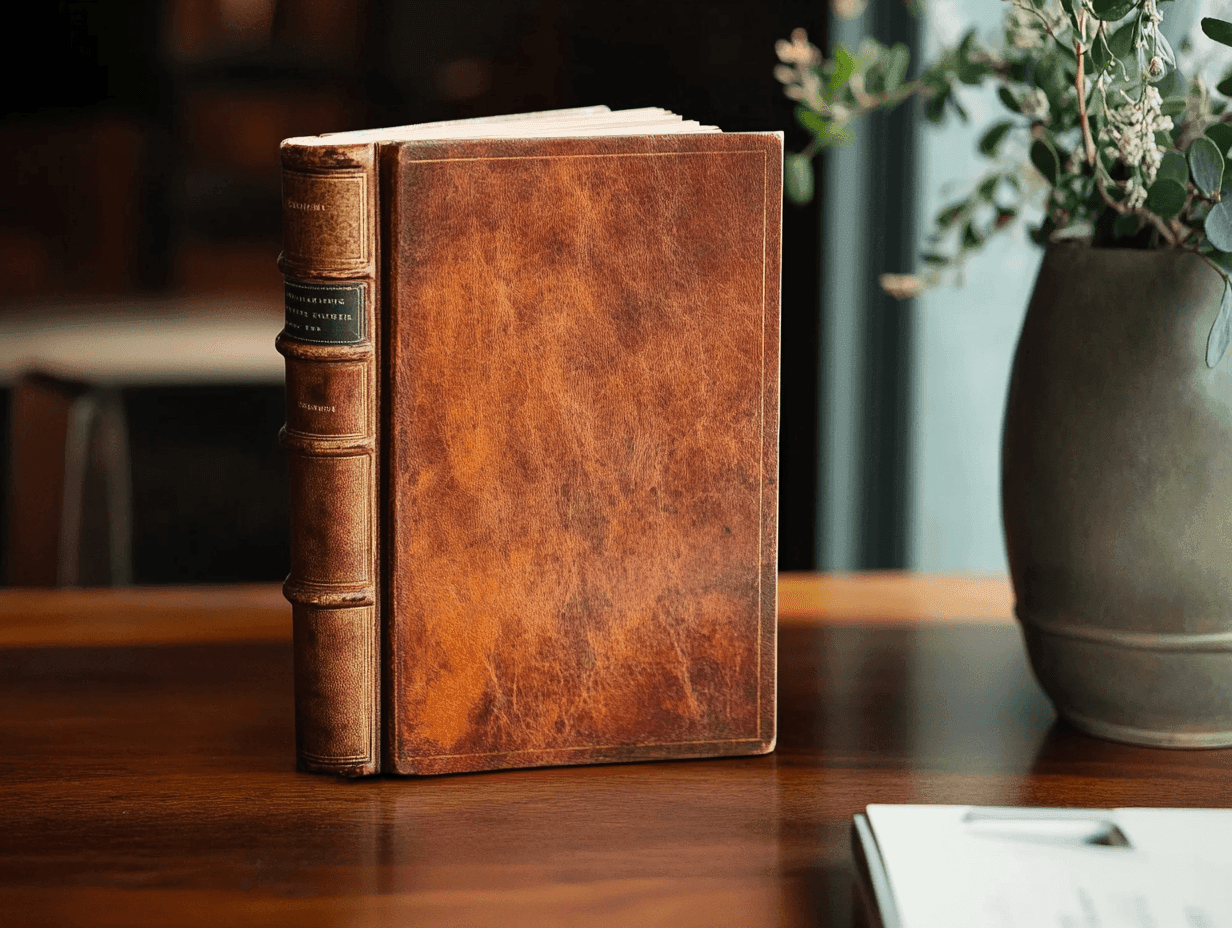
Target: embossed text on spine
point(324, 314)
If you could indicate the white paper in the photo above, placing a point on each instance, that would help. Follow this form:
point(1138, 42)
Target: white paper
point(977, 867)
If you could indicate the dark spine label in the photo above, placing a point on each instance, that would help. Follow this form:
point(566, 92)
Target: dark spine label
point(324, 314)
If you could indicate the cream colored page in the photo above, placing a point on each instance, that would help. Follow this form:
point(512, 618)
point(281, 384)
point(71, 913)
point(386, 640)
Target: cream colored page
point(583, 122)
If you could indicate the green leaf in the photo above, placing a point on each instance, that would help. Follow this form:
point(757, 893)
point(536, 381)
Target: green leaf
point(1218, 225)
point(1173, 166)
point(1112, 10)
point(897, 60)
point(988, 187)
point(1218, 30)
point(844, 64)
point(1051, 78)
point(1221, 134)
point(1206, 165)
point(1045, 159)
point(1069, 60)
point(973, 73)
point(969, 72)
point(1222, 258)
point(952, 100)
point(874, 79)
point(1172, 84)
point(1010, 101)
point(946, 217)
point(971, 236)
point(1121, 43)
point(1225, 84)
point(1221, 330)
point(1166, 198)
point(992, 138)
point(936, 260)
point(798, 178)
point(1100, 56)
point(814, 122)
point(934, 106)
point(844, 67)
point(1172, 106)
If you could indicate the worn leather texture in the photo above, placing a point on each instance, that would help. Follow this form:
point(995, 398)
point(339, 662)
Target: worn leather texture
point(335, 714)
point(327, 223)
point(337, 552)
point(580, 418)
point(329, 231)
point(330, 399)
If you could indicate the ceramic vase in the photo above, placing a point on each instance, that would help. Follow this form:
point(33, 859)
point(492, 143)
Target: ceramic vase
point(1117, 495)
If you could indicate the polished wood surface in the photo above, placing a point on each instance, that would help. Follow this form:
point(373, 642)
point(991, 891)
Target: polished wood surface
point(146, 776)
point(143, 615)
point(258, 612)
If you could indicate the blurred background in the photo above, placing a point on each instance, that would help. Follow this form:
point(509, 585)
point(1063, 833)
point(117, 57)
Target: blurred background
point(139, 229)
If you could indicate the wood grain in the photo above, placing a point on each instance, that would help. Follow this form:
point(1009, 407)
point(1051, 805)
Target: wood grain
point(154, 784)
point(143, 615)
point(258, 612)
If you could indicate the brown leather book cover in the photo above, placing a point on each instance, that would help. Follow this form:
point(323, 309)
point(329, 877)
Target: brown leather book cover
point(576, 394)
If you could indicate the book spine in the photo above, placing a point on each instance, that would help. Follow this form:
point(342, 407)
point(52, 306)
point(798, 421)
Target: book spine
point(329, 264)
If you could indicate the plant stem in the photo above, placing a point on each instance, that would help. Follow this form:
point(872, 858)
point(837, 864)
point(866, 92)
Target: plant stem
point(1215, 267)
point(1159, 224)
point(1080, 85)
point(867, 101)
point(1030, 8)
point(1122, 209)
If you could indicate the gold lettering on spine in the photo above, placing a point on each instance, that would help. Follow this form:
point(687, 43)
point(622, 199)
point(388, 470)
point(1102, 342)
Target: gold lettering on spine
point(327, 400)
point(323, 220)
point(329, 260)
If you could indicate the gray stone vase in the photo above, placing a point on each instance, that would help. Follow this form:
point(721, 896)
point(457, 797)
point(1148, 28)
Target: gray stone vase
point(1117, 495)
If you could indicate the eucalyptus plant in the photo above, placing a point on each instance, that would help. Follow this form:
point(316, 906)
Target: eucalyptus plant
point(1117, 145)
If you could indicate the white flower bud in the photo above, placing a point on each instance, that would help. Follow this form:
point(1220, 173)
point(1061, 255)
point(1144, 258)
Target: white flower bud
point(902, 286)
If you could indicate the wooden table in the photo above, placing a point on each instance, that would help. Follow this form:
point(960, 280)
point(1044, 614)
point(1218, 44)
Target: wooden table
point(147, 776)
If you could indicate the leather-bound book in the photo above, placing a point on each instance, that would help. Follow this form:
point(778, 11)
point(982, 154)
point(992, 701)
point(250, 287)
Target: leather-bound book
point(532, 426)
